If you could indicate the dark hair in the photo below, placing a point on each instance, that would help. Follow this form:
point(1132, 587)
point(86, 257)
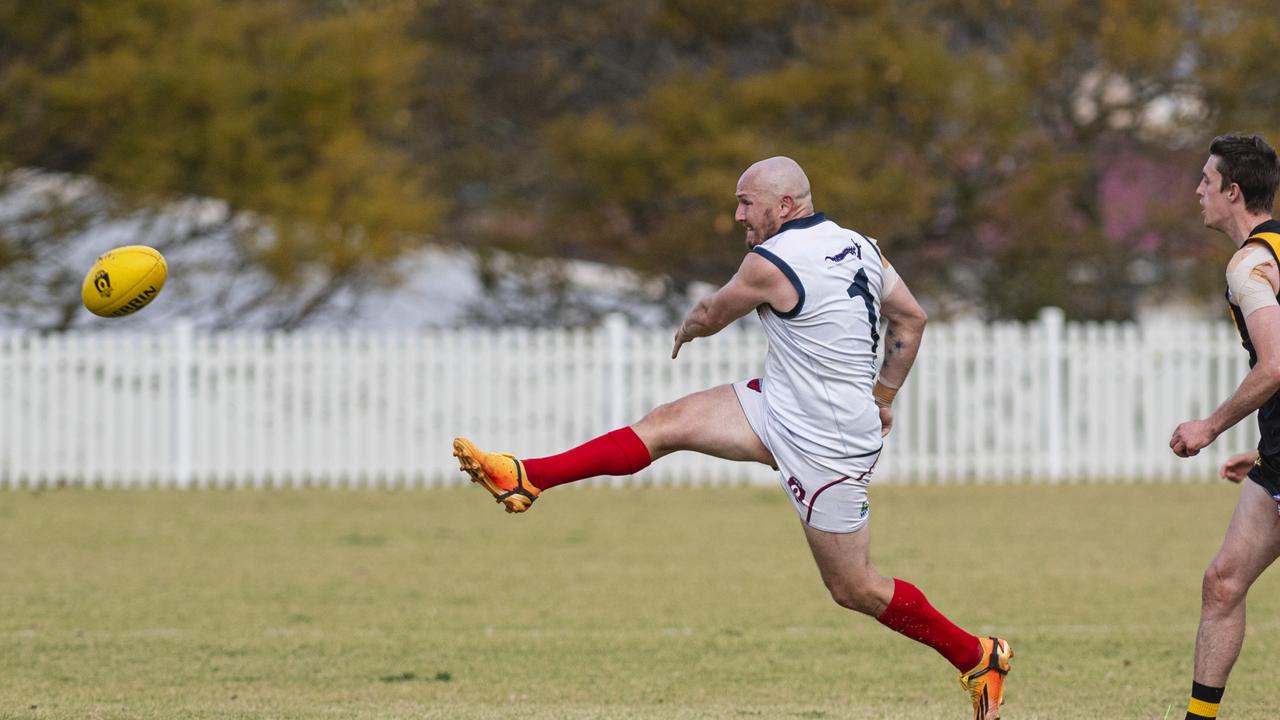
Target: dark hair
point(1248, 161)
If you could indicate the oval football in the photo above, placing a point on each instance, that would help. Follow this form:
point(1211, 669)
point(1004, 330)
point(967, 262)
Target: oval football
point(122, 281)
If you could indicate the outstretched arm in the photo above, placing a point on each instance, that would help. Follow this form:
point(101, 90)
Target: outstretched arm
point(757, 282)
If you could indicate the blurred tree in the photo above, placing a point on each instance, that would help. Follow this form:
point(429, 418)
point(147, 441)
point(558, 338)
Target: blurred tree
point(1233, 77)
point(295, 114)
point(501, 70)
point(987, 146)
point(1008, 155)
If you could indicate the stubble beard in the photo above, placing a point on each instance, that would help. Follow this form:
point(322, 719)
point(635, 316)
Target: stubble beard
point(760, 237)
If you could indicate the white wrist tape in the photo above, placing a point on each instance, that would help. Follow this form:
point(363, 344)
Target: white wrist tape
point(1247, 281)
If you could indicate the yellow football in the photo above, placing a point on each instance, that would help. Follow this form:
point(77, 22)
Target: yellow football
point(124, 280)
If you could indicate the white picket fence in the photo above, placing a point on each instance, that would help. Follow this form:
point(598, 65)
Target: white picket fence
point(1043, 401)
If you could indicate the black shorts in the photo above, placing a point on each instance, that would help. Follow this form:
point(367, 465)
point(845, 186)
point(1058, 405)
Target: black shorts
point(1266, 474)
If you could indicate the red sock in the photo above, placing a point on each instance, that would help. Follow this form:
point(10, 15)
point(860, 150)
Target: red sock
point(911, 614)
point(620, 452)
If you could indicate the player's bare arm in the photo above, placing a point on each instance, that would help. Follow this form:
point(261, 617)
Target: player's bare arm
point(1254, 281)
point(757, 282)
point(906, 321)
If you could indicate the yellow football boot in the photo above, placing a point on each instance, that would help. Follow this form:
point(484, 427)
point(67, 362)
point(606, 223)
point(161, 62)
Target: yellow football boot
point(985, 682)
point(502, 475)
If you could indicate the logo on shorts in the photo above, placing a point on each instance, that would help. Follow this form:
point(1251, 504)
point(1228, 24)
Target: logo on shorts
point(866, 506)
point(794, 485)
point(754, 384)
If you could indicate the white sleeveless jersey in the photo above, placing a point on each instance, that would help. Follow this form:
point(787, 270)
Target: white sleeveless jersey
point(821, 364)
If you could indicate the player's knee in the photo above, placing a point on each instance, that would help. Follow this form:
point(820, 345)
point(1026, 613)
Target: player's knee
point(661, 427)
point(1221, 587)
point(855, 597)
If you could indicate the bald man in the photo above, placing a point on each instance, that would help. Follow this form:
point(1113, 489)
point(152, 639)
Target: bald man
point(818, 415)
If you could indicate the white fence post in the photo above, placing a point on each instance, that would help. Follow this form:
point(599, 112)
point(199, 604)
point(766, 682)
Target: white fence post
point(1052, 320)
point(183, 340)
point(1047, 401)
point(615, 329)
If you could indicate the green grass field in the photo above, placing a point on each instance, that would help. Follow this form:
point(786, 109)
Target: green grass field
point(600, 603)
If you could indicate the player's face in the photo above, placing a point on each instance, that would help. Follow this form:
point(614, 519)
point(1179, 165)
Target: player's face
point(1214, 204)
point(755, 213)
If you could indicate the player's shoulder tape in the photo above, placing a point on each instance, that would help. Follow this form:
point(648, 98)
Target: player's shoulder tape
point(1247, 278)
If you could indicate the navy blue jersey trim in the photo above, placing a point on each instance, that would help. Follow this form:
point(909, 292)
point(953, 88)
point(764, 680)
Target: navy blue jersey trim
point(802, 223)
point(873, 246)
point(791, 275)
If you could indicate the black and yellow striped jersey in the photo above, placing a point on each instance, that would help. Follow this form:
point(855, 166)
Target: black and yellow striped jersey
point(1268, 234)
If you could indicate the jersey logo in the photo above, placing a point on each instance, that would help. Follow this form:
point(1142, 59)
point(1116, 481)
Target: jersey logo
point(854, 249)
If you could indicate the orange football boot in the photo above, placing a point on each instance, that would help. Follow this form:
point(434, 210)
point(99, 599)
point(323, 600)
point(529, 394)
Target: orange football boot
point(502, 475)
point(985, 682)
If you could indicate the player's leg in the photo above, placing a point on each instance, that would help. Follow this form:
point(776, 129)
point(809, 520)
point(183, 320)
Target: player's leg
point(711, 422)
point(844, 562)
point(845, 565)
point(1251, 544)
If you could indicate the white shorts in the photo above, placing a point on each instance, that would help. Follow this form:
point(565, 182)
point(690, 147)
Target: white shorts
point(829, 493)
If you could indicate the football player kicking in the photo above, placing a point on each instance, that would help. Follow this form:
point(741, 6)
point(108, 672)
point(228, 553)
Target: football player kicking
point(1237, 190)
point(818, 415)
